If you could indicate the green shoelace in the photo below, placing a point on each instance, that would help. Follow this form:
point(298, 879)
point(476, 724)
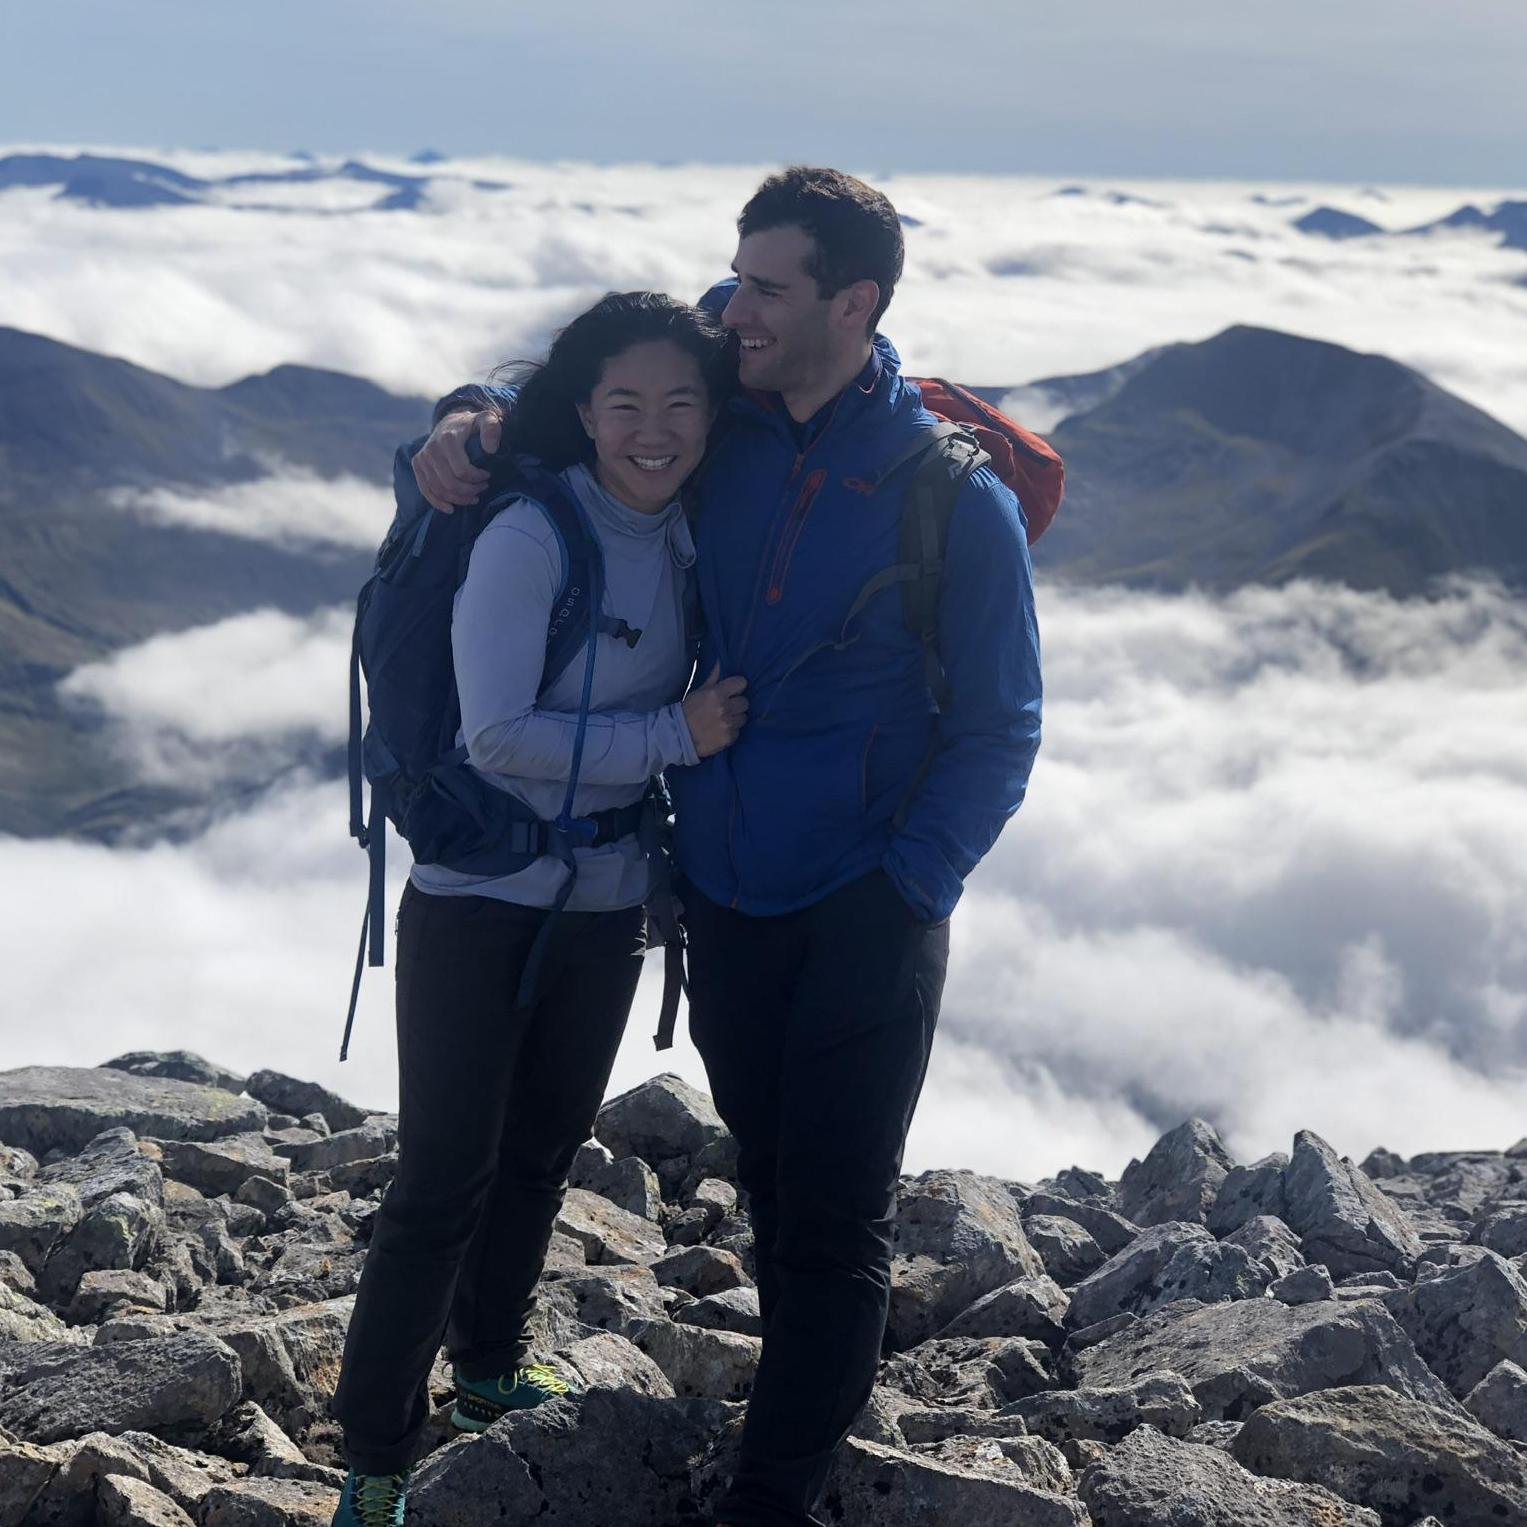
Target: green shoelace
point(538, 1376)
point(376, 1497)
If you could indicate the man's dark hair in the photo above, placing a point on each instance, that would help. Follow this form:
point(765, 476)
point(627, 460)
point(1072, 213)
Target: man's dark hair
point(544, 422)
point(854, 226)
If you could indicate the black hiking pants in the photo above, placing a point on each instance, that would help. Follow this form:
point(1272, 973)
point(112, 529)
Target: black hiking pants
point(815, 1028)
point(494, 1103)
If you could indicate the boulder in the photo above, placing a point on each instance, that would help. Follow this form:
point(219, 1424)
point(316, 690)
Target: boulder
point(1239, 1355)
point(735, 1309)
point(268, 1195)
point(976, 1373)
point(1151, 1480)
point(159, 1382)
point(270, 1503)
point(1162, 1400)
point(32, 1225)
point(119, 1232)
point(1504, 1231)
point(101, 1293)
point(658, 1120)
point(629, 1183)
point(122, 1501)
point(45, 1108)
point(600, 1298)
point(285, 1094)
point(177, 1065)
point(115, 1161)
point(1111, 1231)
point(220, 1166)
point(1033, 1307)
point(699, 1270)
point(1270, 1243)
point(957, 1236)
point(1465, 1319)
point(1499, 1401)
point(289, 1361)
point(1179, 1178)
point(887, 1487)
point(367, 1141)
point(919, 1425)
point(604, 1360)
point(247, 1435)
point(1068, 1252)
point(714, 1365)
point(23, 1319)
point(1342, 1219)
point(1170, 1261)
point(608, 1234)
point(1399, 1456)
point(1305, 1285)
point(610, 1456)
point(1248, 1192)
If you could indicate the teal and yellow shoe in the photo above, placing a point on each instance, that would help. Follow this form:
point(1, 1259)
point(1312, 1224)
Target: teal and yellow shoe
point(480, 1402)
point(372, 1500)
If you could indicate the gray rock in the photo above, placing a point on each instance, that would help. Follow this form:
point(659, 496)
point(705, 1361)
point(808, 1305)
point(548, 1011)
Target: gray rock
point(171, 1381)
point(1033, 1307)
point(1167, 1262)
point(714, 1192)
point(662, 1118)
point(714, 1365)
point(699, 1270)
point(1238, 1355)
point(609, 1235)
point(100, 1293)
point(119, 1232)
point(1111, 1231)
point(957, 1236)
point(1270, 1243)
point(1465, 1319)
point(43, 1108)
point(1041, 1463)
point(877, 1421)
point(116, 1161)
point(270, 1503)
point(26, 1470)
point(364, 1177)
point(15, 1275)
point(1306, 1285)
point(122, 1501)
point(1151, 1480)
point(220, 1166)
point(23, 1319)
point(736, 1310)
point(607, 1361)
point(611, 1456)
point(979, 1373)
point(1380, 1163)
point(364, 1142)
point(1396, 1455)
point(629, 1183)
point(266, 1194)
point(1248, 1192)
point(919, 1425)
point(247, 1435)
point(1068, 1252)
point(1341, 1218)
point(603, 1298)
point(134, 1325)
point(1218, 1434)
point(179, 1473)
point(691, 1226)
point(286, 1094)
point(1499, 1401)
point(1162, 1400)
point(1179, 1178)
point(869, 1483)
point(1504, 1231)
point(32, 1225)
point(176, 1065)
point(317, 1123)
point(289, 1361)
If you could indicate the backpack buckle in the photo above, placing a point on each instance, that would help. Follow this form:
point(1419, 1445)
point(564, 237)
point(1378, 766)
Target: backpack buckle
point(574, 832)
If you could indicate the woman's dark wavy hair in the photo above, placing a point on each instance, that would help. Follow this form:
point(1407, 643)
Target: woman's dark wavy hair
point(544, 422)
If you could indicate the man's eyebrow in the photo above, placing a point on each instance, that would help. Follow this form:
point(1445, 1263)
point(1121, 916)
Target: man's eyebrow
point(768, 286)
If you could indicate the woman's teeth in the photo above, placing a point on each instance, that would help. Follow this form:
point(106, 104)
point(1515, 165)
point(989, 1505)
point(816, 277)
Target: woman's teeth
point(756, 344)
point(654, 463)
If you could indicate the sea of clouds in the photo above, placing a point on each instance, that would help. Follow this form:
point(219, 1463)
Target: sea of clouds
point(1271, 866)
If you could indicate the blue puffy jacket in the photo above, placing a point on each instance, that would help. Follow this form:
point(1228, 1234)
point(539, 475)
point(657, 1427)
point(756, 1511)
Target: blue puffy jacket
point(807, 797)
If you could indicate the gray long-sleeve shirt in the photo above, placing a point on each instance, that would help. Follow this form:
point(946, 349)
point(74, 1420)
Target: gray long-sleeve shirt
point(522, 741)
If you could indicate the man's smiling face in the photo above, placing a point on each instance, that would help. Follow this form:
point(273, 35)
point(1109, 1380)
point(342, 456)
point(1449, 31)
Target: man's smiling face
point(783, 323)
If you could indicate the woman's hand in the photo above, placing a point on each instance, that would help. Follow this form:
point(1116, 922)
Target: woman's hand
point(445, 475)
point(716, 711)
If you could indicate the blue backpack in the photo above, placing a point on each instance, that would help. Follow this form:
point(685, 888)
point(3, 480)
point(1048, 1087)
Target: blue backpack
point(420, 778)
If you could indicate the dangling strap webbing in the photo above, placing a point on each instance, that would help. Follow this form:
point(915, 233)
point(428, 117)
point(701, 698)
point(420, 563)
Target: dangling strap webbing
point(374, 838)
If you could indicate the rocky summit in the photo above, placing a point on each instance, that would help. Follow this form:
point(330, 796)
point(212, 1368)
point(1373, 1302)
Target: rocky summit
point(1301, 1340)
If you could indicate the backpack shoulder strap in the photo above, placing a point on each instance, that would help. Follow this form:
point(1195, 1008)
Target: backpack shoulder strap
point(943, 465)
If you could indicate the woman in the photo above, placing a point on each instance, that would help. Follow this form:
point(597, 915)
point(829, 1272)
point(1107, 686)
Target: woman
point(496, 1099)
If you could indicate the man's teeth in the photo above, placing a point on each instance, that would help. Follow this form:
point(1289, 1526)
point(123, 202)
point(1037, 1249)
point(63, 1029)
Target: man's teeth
point(654, 463)
point(756, 344)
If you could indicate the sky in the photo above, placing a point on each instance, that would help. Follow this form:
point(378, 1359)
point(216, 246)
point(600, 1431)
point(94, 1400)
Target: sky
point(1402, 91)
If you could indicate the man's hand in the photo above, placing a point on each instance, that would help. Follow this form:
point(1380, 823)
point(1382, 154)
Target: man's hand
point(445, 477)
point(716, 712)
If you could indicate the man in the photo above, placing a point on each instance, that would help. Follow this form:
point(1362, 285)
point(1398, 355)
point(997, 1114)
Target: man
point(825, 851)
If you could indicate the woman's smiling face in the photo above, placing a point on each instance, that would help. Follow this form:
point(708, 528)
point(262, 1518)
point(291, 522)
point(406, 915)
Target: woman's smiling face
point(648, 417)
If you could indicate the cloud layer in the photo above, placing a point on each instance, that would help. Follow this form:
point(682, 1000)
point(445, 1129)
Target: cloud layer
point(1270, 872)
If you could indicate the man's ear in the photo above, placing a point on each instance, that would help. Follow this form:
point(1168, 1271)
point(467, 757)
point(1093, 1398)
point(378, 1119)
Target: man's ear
point(856, 302)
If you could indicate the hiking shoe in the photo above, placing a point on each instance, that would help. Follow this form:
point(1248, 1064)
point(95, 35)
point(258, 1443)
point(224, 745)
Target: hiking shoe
point(372, 1500)
point(480, 1402)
